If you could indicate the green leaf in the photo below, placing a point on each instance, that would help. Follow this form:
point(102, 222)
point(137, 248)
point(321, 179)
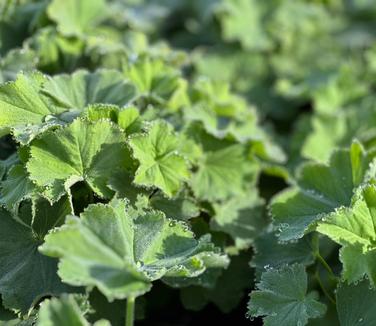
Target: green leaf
point(22, 106)
point(127, 118)
point(228, 290)
point(55, 52)
point(320, 190)
point(16, 187)
point(353, 304)
point(19, 257)
point(7, 316)
point(74, 18)
point(62, 312)
point(16, 60)
point(122, 183)
point(242, 21)
point(354, 228)
point(82, 88)
point(216, 177)
point(242, 217)
point(183, 207)
point(46, 216)
point(281, 297)
point(161, 165)
point(154, 79)
point(339, 129)
point(269, 253)
point(78, 152)
point(122, 251)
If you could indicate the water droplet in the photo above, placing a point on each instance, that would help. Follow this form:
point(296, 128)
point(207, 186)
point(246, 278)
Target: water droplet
point(172, 223)
point(360, 320)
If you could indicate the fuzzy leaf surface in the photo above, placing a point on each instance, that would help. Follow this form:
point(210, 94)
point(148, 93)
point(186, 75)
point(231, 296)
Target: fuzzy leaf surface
point(82, 151)
point(281, 297)
point(78, 90)
point(122, 251)
point(160, 163)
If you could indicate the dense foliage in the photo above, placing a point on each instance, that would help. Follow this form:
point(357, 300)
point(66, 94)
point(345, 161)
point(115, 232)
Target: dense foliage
point(220, 152)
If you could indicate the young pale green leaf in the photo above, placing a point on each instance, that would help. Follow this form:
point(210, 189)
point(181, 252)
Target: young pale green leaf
point(74, 18)
point(82, 88)
point(82, 151)
point(354, 229)
point(242, 217)
point(121, 251)
point(320, 190)
point(355, 304)
point(127, 118)
point(281, 297)
point(160, 163)
point(19, 257)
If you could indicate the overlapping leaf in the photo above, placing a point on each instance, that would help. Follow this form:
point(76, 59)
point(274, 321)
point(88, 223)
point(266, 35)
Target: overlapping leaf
point(83, 151)
point(353, 304)
point(121, 252)
point(153, 79)
point(269, 253)
point(16, 187)
point(161, 165)
point(282, 297)
point(320, 190)
point(23, 108)
point(14, 61)
point(354, 229)
point(64, 312)
point(19, 256)
point(242, 217)
point(228, 290)
point(78, 90)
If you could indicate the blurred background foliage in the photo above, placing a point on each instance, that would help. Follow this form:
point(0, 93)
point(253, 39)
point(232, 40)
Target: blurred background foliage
point(308, 66)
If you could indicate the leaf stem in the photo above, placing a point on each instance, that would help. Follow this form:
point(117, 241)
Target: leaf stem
point(316, 252)
point(129, 314)
point(330, 298)
point(326, 266)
